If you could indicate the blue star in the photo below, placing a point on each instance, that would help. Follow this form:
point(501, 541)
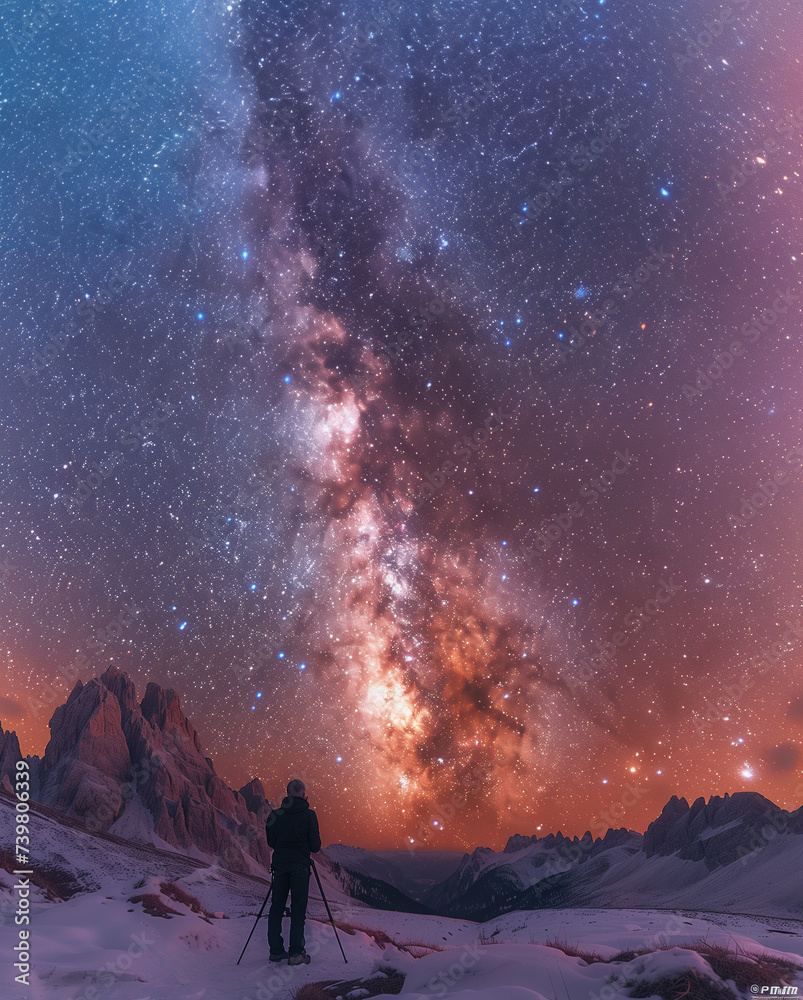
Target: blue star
point(338, 759)
point(302, 666)
point(253, 586)
point(244, 255)
point(259, 694)
point(182, 626)
point(281, 656)
point(575, 602)
point(287, 378)
point(199, 317)
point(664, 192)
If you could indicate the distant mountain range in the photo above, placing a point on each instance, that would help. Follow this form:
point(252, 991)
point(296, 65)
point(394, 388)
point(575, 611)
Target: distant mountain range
point(137, 771)
point(739, 853)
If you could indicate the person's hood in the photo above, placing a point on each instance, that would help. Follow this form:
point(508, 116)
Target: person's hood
point(294, 805)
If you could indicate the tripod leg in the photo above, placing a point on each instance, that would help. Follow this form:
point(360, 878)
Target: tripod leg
point(261, 910)
point(326, 904)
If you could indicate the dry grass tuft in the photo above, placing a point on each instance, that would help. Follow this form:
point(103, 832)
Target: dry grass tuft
point(688, 986)
point(573, 950)
point(383, 939)
point(175, 892)
point(154, 906)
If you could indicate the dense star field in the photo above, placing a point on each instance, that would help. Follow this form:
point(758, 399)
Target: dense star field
point(417, 392)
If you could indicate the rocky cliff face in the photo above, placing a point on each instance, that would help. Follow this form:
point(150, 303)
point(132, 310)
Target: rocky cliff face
point(138, 770)
point(719, 831)
point(9, 755)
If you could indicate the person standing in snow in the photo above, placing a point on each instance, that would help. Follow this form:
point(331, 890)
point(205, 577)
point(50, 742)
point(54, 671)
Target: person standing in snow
point(293, 835)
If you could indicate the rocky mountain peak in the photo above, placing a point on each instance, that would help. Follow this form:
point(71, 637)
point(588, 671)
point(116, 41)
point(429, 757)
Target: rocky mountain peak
point(138, 770)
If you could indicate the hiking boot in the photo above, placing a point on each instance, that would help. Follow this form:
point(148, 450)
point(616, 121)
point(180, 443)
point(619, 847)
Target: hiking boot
point(302, 959)
point(280, 957)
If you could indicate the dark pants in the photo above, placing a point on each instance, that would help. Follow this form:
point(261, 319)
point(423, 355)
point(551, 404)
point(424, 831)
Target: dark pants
point(288, 877)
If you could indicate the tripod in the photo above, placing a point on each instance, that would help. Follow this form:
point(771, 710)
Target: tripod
point(261, 911)
point(325, 903)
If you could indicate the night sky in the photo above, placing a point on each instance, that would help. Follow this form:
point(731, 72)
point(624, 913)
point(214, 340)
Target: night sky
point(362, 355)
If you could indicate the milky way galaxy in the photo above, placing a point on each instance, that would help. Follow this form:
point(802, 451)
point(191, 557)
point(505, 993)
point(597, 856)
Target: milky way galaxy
point(423, 382)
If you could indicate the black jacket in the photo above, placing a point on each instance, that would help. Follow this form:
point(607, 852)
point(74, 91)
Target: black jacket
point(293, 831)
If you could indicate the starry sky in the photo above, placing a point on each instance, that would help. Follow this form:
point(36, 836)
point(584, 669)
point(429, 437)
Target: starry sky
point(405, 388)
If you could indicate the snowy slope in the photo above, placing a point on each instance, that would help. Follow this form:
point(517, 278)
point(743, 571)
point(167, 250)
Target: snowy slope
point(101, 939)
point(357, 859)
point(88, 860)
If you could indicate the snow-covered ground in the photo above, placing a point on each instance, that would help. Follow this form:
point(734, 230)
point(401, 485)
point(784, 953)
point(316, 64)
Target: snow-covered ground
point(189, 957)
point(99, 945)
